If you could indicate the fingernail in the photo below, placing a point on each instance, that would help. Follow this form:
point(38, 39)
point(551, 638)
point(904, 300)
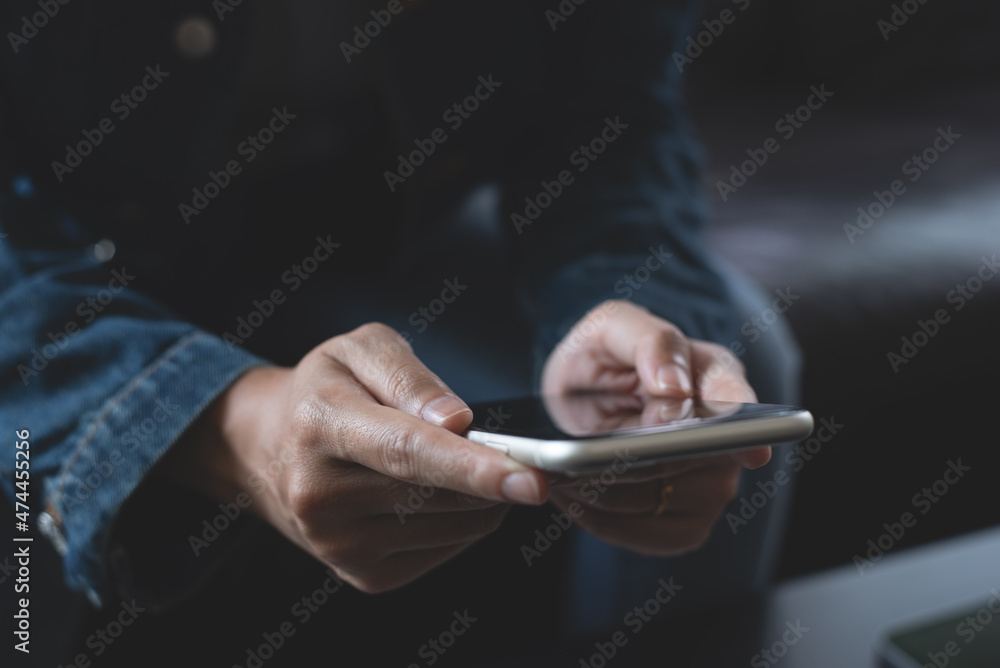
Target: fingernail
point(672, 377)
point(521, 488)
point(441, 409)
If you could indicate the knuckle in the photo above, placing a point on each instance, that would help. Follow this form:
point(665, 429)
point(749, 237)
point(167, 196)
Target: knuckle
point(374, 345)
point(402, 379)
point(328, 348)
point(734, 389)
point(306, 499)
point(603, 307)
point(600, 313)
point(371, 330)
point(714, 349)
point(377, 333)
point(307, 416)
point(667, 337)
point(397, 453)
point(477, 470)
point(723, 357)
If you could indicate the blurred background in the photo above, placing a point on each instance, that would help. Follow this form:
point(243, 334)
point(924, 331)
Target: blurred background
point(894, 86)
point(904, 80)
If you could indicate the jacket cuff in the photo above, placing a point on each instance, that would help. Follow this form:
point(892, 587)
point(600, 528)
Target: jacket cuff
point(119, 445)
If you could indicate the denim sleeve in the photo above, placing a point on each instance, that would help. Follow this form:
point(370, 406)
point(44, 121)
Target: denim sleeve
point(627, 226)
point(104, 380)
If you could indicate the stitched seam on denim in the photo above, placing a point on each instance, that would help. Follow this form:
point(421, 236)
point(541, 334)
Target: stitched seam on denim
point(118, 399)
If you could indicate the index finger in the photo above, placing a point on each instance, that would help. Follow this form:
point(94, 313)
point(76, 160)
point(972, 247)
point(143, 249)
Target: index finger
point(344, 421)
point(657, 350)
point(407, 448)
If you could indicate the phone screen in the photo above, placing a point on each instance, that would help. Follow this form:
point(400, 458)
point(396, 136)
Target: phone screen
point(969, 639)
point(599, 415)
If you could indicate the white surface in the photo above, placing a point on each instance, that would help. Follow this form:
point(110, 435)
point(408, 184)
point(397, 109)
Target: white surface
point(844, 610)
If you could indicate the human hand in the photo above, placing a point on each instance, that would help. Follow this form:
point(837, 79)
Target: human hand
point(356, 426)
point(667, 508)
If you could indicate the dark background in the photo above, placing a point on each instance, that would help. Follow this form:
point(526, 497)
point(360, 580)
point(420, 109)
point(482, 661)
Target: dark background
point(785, 229)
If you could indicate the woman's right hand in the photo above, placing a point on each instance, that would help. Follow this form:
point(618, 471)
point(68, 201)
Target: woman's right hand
point(334, 453)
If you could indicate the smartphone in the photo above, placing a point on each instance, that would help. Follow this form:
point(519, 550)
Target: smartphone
point(965, 635)
point(577, 434)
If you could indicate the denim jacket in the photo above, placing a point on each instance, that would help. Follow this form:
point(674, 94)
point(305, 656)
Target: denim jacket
point(115, 320)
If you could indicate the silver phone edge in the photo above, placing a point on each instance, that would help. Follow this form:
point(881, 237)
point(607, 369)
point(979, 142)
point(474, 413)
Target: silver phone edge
point(585, 456)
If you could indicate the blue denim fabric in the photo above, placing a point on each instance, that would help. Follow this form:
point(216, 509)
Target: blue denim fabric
point(141, 359)
point(103, 402)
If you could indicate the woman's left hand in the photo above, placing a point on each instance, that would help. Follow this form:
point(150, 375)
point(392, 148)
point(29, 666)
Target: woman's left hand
point(668, 508)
